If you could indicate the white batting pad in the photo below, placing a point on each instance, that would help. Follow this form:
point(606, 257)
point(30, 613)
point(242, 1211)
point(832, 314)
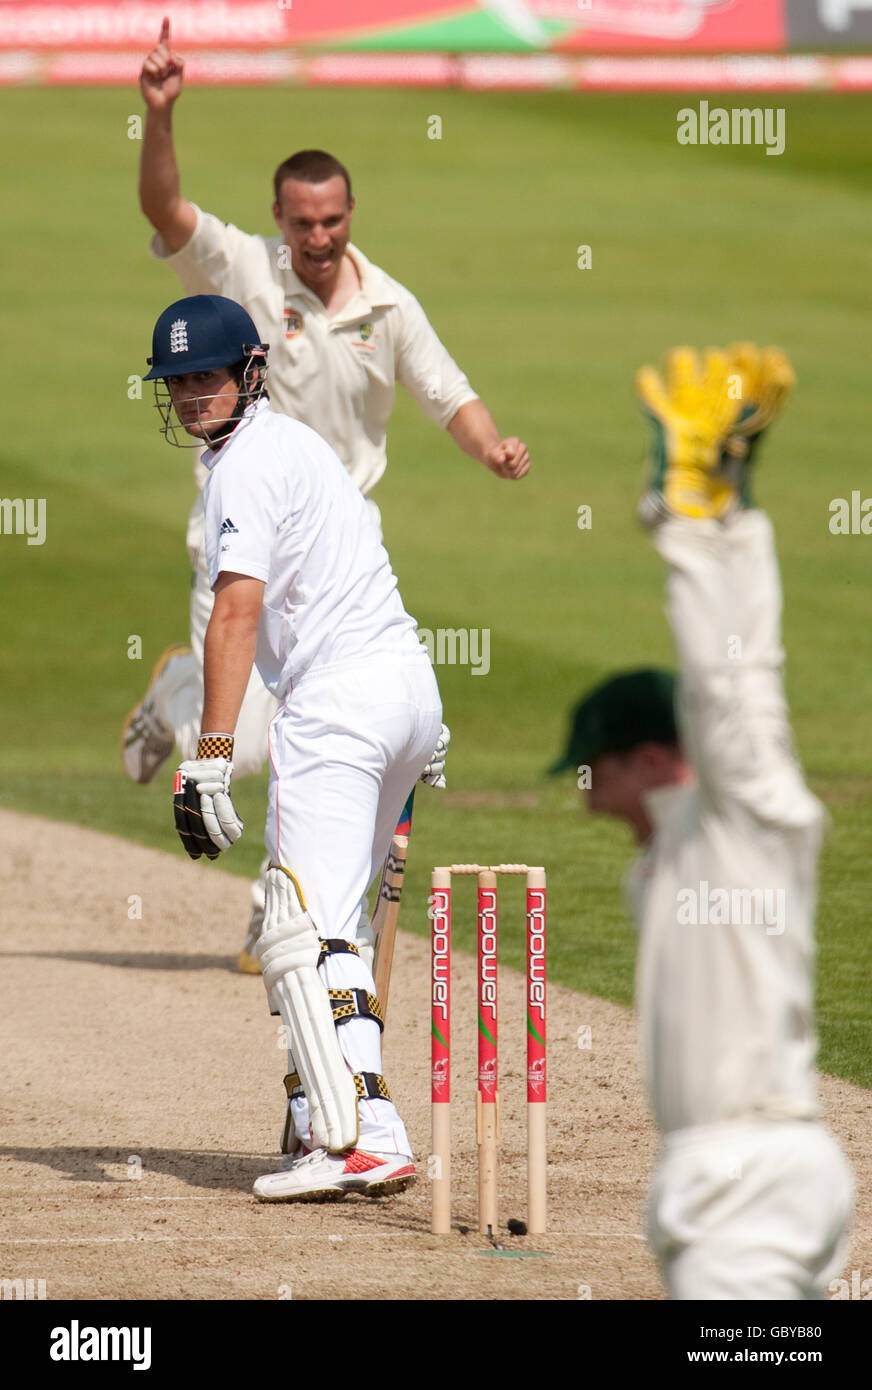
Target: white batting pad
point(288, 951)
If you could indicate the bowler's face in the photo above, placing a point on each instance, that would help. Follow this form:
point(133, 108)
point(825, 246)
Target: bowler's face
point(315, 222)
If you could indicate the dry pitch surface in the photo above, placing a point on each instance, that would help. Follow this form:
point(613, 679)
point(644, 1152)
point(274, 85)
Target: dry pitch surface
point(141, 1095)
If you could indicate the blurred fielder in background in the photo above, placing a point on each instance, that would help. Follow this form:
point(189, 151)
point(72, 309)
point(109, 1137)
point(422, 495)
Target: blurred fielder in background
point(751, 1197)
point(342, 334)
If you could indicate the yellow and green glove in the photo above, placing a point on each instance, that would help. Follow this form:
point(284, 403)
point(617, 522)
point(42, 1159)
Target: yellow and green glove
point(707, 414)
point(692, 410)
point(767, 380)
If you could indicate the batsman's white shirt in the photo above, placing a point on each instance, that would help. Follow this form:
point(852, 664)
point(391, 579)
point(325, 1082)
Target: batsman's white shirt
point(281, 508)
point(336, 373)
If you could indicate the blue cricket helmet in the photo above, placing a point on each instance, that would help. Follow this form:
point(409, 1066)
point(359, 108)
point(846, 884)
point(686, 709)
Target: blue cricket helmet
point(200, 334)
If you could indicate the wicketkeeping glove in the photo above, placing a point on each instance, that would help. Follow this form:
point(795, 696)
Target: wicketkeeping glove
point(767, 380)
point(206, 818)
point(434, 772)
point(692, 411)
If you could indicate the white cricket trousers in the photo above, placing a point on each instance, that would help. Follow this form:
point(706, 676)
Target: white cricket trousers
point(345, 751)
point(740, 1211)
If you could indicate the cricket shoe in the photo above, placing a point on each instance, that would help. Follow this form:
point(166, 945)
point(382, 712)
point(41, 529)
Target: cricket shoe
point(319, 1176)
point(146, 742)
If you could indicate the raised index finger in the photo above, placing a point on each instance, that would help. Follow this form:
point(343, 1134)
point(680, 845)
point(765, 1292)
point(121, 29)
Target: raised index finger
point(165, 31)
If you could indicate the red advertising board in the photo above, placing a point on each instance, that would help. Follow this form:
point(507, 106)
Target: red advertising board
point(449, 25)
point(621, 45)
point(44, 24)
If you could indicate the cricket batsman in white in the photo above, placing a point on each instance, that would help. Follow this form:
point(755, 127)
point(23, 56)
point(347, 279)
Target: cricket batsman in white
point(304, 588)
point(751, 1197)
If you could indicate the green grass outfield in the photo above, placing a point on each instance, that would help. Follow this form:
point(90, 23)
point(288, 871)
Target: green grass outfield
point(695, 244)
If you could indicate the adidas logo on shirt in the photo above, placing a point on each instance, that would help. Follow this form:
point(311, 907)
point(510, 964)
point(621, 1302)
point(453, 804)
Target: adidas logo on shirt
point(228, 529)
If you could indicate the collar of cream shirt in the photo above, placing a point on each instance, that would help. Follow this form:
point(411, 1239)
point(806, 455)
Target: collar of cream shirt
point(660, 802)
point(376, 289)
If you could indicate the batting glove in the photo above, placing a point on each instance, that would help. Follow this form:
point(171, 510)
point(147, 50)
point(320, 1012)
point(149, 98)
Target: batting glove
point(206, 818)
point(434, 772)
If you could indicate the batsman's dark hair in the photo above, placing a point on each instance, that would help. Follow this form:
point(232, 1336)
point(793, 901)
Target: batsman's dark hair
point(251, 386)
point(310, 166)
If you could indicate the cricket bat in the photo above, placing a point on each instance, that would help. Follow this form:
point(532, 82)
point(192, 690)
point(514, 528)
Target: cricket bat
point(387, 909)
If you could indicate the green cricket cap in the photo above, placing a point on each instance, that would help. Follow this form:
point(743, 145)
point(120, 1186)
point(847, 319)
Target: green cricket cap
point(625, 710)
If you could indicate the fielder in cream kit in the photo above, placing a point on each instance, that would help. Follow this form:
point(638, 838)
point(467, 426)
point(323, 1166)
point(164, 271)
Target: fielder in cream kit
point(751, 1197)
point(304, 588)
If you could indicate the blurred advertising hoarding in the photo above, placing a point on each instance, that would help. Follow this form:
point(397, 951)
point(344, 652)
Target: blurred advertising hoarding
point(622, 45)
point(422, 25)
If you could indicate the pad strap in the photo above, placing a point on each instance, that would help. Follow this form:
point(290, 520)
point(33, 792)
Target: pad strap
point(355, 1003)
point(338, 947)
point(335, 946)
point(370, 1086)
